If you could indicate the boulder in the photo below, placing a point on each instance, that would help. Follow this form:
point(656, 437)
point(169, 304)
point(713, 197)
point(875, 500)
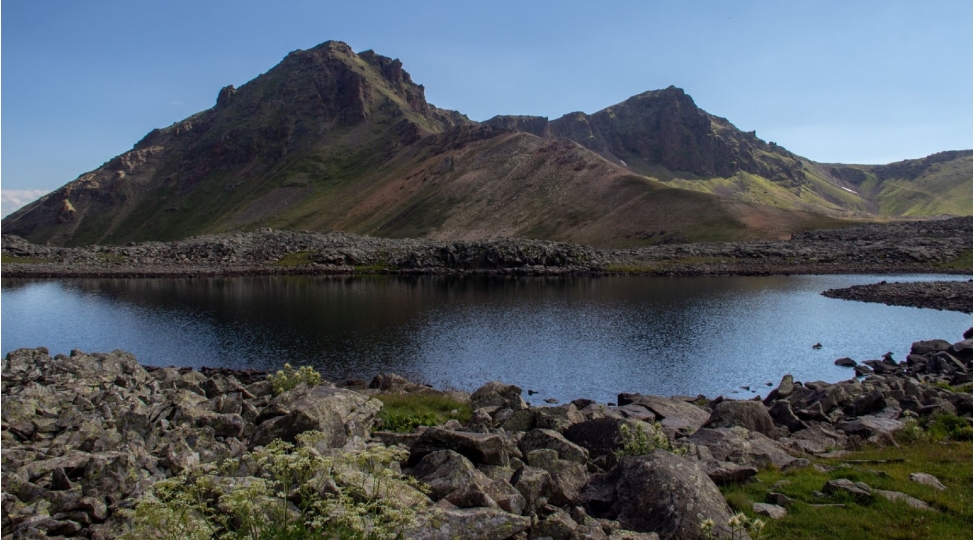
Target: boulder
point(781, 413)
point(897, 496)
point(558, 525)
point(858, 490)
point(470, 496)
point(446, 471)
point(506, 496)
point(534, 484)
point(845, 362)
point(659, 492)
point(392, 383)
point(567, 477)
point(773, 511)
point(487, 448)
point(342, 415)
point(600, 436)
point(927, 480)
point(750, 415)
point(498, 394)
point(481, 523)
point(872, 428)
point(679, 417)
point(537, 439)
point(927, 347)
point(747, 448)
point(817, 439)
point(556, 418)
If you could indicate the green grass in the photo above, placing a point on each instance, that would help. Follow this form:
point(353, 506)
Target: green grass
point(372, 268)
point(663, 265)
point(13, 259)
point(296, 258)
point(406, 412)
point(963, 262)
point(114, 258)
point(950, 462)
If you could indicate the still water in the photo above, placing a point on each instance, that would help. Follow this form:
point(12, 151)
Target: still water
point(563, 337)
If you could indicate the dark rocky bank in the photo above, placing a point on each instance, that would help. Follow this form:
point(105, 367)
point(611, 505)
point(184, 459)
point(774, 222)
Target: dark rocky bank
point(85, 435)
point(950, 295)
point(923, 246)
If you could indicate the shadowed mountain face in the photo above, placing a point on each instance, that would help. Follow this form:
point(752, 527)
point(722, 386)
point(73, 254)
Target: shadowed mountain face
point(333, 140)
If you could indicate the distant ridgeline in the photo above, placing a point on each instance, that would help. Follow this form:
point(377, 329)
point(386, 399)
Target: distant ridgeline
point(333, 140)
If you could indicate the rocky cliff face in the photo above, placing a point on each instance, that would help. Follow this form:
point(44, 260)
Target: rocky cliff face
point(666, 128)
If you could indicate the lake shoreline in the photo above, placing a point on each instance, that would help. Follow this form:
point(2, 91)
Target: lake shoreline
point(502, 468)
point(893, 248)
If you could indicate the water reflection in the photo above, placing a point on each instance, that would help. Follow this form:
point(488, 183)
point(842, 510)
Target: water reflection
point(565, 337)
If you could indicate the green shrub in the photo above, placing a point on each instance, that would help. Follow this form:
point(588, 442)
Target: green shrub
point(639, 441)
point(949, 426)
point(405, 412)
point(288, 378)
point(295, 493)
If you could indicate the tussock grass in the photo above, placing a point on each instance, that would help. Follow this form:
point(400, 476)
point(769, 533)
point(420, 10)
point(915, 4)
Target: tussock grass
point(406, 412)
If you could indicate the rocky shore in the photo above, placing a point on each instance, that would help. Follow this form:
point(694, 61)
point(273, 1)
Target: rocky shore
point(950, 295)
point(89, 438)
point(924, 246)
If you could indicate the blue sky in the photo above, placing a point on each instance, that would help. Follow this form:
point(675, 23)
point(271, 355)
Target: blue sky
point(853, 82)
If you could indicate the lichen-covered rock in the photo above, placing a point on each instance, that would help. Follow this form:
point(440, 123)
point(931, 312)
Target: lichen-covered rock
point(659, 492)
point(750, 415)
point(537, 439)
point(487, 448)
point(446, 471)
point(450, 524)
point(748, 448)
point(677, 416)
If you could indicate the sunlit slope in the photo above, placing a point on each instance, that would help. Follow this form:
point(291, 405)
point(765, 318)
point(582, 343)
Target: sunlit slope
point(937, 185)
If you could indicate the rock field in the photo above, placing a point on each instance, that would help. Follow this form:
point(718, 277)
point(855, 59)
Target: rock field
point(85, 435)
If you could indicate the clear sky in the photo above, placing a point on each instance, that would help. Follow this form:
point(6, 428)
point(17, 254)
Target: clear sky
point(835, 81)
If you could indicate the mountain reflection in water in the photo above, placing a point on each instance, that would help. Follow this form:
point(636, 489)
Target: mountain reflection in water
point(565, 337)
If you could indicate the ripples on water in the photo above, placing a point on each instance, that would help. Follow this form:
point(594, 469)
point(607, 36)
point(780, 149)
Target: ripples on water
point(565, 337)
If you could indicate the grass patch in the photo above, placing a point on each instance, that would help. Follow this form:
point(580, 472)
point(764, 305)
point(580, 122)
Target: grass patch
point(377, 268)
point(664, 265)
point(963, 262)
point(13, 259)
point(405, 412)
point(950, 462)
point(113, 258)
point(296, 258)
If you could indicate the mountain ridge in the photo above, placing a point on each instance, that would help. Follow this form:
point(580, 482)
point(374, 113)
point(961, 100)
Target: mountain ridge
point(333, 140)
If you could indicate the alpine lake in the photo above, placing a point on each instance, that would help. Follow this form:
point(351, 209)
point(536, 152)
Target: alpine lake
point(560, 337)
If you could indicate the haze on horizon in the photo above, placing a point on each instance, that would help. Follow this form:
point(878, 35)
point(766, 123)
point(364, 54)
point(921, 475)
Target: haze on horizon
point(865, 82)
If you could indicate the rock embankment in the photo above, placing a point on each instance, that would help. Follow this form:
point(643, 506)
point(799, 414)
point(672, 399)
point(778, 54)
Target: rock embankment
point(85, 436)
point(950, 295)
point(899, 247)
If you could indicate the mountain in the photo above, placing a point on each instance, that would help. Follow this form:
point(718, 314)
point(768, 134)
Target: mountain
point(333, 140)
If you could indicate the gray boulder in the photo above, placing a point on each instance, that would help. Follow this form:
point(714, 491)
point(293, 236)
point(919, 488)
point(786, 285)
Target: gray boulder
point(676, 416)
point(659, 492)
point(342, 415)
point(446, 471)
point(486, 448)
point(750, 415)
point(482, 523)
point(743, 447)
point(538, 439)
